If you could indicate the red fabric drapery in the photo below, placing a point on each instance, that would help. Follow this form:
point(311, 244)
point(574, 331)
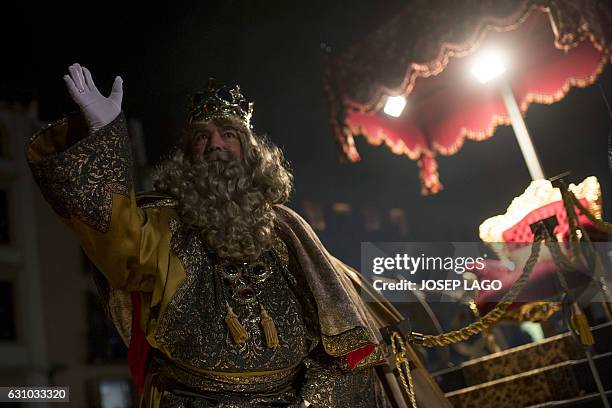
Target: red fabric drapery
point(550, 47)
point(139, 347)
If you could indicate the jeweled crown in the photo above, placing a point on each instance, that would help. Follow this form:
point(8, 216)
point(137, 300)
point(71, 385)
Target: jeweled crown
point(220, 102)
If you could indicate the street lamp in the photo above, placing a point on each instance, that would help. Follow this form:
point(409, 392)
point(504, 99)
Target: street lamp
point(489, 65)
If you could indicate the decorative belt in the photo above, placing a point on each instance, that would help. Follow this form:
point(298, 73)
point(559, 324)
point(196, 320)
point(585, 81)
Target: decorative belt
point(172, 375)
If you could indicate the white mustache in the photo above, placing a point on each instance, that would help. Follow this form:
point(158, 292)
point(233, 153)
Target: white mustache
point(219, 155)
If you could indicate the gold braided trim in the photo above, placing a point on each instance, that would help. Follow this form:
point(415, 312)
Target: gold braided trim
point(250, 377)
point(280, 248)
point(346, 342)
point(245, 373)
point(166, 202)
point(456, 336)
point(240, 376)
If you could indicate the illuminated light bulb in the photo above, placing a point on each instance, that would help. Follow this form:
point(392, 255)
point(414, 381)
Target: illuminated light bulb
point(395, 106)
point(489, 65)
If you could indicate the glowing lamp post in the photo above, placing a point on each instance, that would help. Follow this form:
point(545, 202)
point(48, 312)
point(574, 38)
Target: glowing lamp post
point(491, 65)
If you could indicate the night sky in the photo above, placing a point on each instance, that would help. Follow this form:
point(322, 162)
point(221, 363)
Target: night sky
point(273, 50)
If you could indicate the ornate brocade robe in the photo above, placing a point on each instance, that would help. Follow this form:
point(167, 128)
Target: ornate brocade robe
point(327, 344)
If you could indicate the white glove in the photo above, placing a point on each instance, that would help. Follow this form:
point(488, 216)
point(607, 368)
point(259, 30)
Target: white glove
point(98, 110)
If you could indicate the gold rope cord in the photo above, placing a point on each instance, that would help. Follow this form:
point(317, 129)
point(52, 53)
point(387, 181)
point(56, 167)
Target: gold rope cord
point(403, 366)
point(483, 323)
point(398, 343)
point(456, 336)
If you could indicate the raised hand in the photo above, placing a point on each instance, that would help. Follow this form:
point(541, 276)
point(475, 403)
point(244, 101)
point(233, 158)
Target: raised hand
point(98, 110)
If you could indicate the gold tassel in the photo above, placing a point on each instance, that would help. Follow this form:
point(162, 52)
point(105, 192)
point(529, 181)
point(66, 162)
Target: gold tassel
point(238, 332)
point(269, 329)
point(581, 325)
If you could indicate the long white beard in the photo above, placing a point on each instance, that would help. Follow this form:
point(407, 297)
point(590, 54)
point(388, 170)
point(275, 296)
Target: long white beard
point(219, 198)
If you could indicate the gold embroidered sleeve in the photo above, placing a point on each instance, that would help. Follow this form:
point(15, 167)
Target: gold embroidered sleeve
point(87, 179)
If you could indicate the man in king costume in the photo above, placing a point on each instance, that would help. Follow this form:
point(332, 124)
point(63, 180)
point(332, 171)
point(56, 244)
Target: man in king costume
point(225, 297)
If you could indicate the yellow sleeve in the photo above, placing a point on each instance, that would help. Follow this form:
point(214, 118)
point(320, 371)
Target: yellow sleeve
point(87, 179)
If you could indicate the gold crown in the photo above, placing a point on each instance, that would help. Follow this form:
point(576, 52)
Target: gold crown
point(220, 102)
